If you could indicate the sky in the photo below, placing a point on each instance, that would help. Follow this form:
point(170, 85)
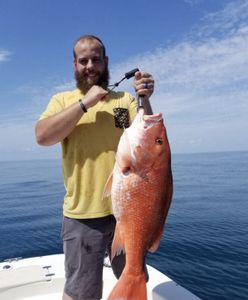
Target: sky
point(196, 50)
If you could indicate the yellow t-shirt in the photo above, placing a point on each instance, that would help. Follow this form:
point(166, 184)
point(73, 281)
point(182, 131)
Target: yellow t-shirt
point(89, 150)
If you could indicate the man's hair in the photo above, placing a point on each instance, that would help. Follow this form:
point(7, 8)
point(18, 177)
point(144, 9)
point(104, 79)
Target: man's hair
point(89, 37)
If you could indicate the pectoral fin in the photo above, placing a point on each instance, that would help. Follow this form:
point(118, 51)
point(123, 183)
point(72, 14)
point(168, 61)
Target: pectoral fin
point(117, 244)
point(108, 187)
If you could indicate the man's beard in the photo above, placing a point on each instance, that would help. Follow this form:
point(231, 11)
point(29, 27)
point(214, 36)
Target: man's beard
point(83, 84)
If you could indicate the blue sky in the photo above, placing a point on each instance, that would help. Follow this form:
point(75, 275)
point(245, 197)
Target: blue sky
point(197, 51)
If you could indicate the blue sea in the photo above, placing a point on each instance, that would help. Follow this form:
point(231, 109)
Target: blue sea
point(205, 244)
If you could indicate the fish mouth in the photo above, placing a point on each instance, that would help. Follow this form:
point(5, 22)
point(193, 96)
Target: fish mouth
point(152, 119)
point(148, 121)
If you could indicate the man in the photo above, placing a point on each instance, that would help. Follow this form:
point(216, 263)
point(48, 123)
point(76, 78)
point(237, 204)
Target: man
point(88, 122)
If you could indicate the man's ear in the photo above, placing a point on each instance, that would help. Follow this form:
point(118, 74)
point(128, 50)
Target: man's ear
point(74, 63)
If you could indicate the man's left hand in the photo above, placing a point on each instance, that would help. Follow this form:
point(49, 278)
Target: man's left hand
point(143, 84)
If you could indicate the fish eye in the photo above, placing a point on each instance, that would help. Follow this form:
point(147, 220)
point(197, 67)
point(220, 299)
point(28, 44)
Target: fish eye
point(159, 141)
point(126, 171)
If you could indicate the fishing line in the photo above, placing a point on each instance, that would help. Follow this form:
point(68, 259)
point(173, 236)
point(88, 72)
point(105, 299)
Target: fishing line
point(127, 76)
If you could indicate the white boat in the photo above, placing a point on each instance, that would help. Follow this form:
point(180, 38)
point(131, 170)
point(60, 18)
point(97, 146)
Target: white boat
point(42, 278)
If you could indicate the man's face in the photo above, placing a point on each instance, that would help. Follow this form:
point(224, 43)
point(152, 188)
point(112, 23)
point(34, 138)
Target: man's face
point(91, 68)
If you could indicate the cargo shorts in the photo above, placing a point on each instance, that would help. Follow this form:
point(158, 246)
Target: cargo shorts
point(85, 242)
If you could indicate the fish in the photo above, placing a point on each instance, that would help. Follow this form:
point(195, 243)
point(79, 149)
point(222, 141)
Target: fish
point(141, 189)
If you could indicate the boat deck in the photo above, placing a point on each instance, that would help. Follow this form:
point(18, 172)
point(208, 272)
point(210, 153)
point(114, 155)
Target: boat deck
point(42, 278)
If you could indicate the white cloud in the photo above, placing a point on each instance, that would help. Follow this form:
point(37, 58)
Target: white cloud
point(193, 2)
point(225, 22)
point(4, 55)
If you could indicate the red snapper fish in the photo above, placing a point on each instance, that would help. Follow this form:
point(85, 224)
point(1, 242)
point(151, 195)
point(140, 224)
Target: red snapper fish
point(141, 188)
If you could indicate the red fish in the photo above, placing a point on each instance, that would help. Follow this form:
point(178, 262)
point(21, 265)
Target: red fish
point(141, 187)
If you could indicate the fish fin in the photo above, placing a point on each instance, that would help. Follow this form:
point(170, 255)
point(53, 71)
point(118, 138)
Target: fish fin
point(108, 187)
point(117, 244)
point(156, 243)
point(128, 287)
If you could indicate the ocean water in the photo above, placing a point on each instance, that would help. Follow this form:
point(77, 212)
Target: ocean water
point(205, 244)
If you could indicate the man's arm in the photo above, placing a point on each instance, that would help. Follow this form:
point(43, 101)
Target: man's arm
point(54, 129)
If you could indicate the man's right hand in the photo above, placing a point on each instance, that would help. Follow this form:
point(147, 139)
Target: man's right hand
point(93, 96)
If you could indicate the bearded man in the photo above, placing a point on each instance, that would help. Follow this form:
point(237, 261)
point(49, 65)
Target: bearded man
point(88, 122)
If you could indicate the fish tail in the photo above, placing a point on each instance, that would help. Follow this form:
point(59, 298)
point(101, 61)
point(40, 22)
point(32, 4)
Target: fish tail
point(129, 287)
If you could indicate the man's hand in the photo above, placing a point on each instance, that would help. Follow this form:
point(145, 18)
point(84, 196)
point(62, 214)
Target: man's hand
point(93, 96)
point(143, 84)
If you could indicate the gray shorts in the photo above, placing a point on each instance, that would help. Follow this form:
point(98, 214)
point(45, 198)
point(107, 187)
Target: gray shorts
point(85, 243)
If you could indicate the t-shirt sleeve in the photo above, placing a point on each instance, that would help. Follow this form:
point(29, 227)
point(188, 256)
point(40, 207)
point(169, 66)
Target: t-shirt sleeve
point(55, 106)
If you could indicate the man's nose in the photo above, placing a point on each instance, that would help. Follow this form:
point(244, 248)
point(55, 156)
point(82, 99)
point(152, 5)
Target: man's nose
point(90, 64)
